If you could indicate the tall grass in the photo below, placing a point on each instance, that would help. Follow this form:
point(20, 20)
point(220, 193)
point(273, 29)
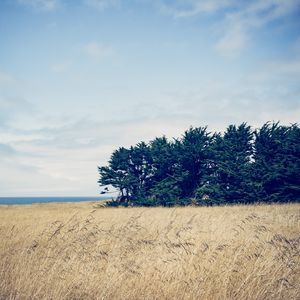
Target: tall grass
point(80, 251)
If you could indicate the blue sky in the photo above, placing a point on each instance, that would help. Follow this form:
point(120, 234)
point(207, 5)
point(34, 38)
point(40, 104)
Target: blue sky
point(80, 78)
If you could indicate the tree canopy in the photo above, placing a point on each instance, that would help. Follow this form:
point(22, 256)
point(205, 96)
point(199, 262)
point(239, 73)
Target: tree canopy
point(241, 165)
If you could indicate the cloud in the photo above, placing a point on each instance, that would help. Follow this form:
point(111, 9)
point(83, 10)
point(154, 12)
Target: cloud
point(234, 21)
point(23, 178)
point(218, 105)
point(234, 40)
point(103, 4)
point(264, 10)
point(239, 24)
point(98, 51)
point(191, 8)
point(64, 158)
point(41, 5)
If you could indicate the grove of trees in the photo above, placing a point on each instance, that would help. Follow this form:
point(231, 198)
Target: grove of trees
point(241, 165)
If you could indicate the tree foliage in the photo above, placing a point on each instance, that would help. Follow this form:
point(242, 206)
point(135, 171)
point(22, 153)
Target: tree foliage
point(240, 165)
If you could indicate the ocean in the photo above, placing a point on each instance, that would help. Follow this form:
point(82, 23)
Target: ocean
point(31, 200)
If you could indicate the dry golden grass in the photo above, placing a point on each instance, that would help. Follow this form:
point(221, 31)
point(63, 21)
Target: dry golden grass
point(79, 251)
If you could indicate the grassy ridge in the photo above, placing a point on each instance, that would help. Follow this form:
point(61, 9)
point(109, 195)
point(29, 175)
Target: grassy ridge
point(79, 251)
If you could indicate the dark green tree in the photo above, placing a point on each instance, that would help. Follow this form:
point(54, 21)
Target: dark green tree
point(277, 162)
point(141, 171)
point(239, 166)
point(167, 172)
point(117, 174)
point(194, 155)
point(228, 179)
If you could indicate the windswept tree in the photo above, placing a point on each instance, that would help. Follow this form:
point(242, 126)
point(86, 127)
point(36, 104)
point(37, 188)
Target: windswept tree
point(129, 171)
point(228, 177)
point(167, 172)
point(239, 166)
point(193, 155)
point(277, 162)
point(117, 174)
point(140, 170)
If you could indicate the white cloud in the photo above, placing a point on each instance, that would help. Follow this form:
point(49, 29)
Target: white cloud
point(41, 5)
point(239, 24)
point(236, 19)
point(98, 51)
point(190, 8)
point(103, 4)
point(233, 41)
point(268, 9)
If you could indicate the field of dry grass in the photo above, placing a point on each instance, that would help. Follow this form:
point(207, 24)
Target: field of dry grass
point(80, 251)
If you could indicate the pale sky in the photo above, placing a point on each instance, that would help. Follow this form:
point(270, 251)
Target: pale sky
point(80, 78)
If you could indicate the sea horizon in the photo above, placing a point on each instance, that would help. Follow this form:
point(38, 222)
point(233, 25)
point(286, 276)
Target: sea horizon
point(12, 200)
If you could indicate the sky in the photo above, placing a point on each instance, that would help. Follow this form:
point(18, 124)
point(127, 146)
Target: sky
point(81, 78)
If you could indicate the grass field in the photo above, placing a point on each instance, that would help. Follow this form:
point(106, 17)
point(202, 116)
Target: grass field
point(81, 251)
